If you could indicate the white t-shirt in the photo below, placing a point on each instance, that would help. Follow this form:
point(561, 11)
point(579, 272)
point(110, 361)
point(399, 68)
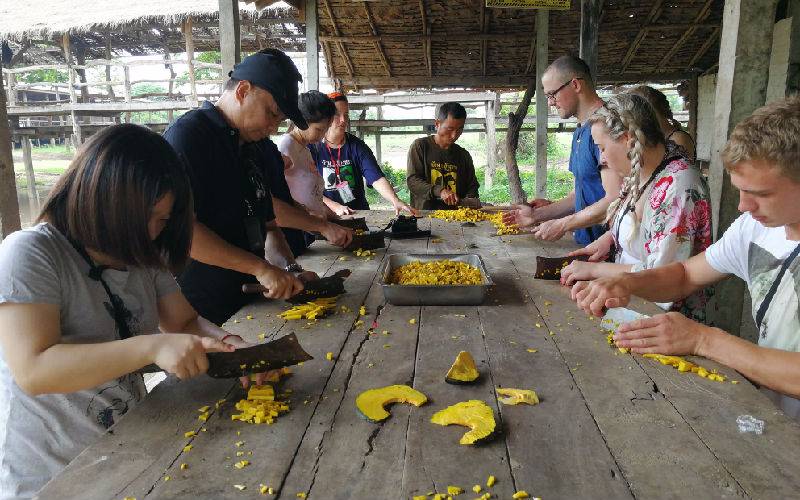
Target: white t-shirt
point(39, 435)
point(305, 183)
point(755, 253)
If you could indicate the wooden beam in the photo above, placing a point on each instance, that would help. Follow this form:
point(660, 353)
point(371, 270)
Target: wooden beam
point(378, 148)
point(347, 62)
point(542, 36)
point(484, 20)
point(531, 51)
point(590, 27)
point(490, 111)
point(378, 44)
point(655, 11)
point(712, 38)
point(73, 100)
point(427, 37)
point(326, 50)
point(312, 45)
point(704, 12)
point(33, 195)
point(741, 88)
point(426, 42)
point(9, 205)
point(230, 44)
point(434, 98)
point(108, 67)
point(189, 41)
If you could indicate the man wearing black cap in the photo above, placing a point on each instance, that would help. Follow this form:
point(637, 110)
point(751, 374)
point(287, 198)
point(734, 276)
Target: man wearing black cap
point(236, 239)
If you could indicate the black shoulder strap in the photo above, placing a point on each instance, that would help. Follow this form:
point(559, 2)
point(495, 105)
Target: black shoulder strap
point(120, 312)
point(762, 309)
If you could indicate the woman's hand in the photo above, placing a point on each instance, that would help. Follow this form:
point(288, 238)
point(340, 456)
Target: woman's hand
point(184, 355)
point(340, 209)
point(597, 251)
point(521, 216)
point(578, 271)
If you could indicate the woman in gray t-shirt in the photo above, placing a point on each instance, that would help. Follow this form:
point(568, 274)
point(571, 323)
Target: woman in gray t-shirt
point(84, 295)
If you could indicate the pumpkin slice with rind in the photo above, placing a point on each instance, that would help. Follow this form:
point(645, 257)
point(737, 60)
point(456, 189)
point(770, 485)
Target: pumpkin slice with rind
point(463, 370)
point(371, 403)
point(475, 414)
point(517, 396)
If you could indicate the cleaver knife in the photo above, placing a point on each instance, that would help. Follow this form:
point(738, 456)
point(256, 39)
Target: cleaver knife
point(286, 351)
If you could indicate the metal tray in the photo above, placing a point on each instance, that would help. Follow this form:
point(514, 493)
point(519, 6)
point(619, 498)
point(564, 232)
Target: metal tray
point(434, 295)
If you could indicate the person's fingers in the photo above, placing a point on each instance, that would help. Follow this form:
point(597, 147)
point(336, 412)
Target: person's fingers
point(617, 302)
point(261, 377)
point(640, 324)
point(181, 373)
point(215, 345)
point(577, 288)
point(245, 381)
point(597, 256)
point(202, 363)
point(579, 252)
point(597, 306)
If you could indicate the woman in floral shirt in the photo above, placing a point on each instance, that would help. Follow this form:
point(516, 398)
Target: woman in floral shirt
point(663, 213)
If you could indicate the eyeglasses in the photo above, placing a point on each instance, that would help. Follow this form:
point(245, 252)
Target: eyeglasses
point(551, 96)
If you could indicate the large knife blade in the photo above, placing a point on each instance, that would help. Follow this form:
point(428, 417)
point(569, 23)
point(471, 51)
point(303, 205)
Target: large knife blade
point(286, 351)
point(549, 268)
point(330, 286)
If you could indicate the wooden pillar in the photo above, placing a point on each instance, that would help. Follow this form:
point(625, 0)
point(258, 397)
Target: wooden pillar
point(745, 45)
point(312, 45)
point(229, 40)
point(692, 98)
point(590, 27)
point(378, 154)
point(784, 68)
point(491, 144)
point(73, 99)
point(127, 86)
point(80, 57)
point(187, 35)
point(111, 95)
point(9, 205)
point(542, 37)
point(12, 91)
point(33, 195)
point(171, 87)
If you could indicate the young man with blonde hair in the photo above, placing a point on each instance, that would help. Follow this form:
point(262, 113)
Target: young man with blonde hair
point(762, 157)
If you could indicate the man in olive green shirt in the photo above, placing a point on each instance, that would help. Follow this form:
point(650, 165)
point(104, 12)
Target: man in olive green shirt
point(440, 173)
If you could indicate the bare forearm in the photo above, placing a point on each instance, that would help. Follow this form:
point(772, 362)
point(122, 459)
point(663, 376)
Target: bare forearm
point(61, 368)
point(209, 248)
point(557, 209)
point(287, 215)
point(276, 250)
point(589, 216)
point(773, 368)
point(385, 189)
point(608, 269)
point(660, 284)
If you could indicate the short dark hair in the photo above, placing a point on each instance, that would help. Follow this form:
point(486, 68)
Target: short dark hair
point(453, 109)
point(315, 106)
point(230, 84)
point(105, 198)
point(569, 67)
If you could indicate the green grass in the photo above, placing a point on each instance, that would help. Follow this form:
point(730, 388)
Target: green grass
point(559, 184)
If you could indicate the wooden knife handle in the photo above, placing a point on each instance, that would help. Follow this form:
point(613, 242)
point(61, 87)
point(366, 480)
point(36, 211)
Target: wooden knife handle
point(254, 288)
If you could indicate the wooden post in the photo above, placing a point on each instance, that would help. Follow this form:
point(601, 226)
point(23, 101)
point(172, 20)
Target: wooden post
point(229, 30)
point(312, 45)
point(33, 195)
point(73, 99)
point(692, 97)
point(127, 86)
point(187, 35)
point(80, 57)
point(784, 70)
point(171, 87)
point(9, 205)
point(378, 154)
point(542, 36)
point(111, 95)
point(12, 91)
point(744, 56)
point(590, 27)
point(491, 144)
point(515, 121)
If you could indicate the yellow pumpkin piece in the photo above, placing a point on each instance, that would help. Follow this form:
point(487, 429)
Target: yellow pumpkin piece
point(203, 409)
point(490, 481)
point(371, 403)
point(419, 497)
point(475, 414)
point(189, 434)
point(240, 487)
point(517, 396)
point(261, 392)
point(242, 464)
point(188, 448)
point(184, 466)
point(520, 494)
point(532, 350)
point(301, 495)
point(477, 488)
point(463, 370)
point(454, 490)
point(329, 356)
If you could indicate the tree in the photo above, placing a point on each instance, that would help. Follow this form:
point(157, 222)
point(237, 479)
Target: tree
point(44, 75)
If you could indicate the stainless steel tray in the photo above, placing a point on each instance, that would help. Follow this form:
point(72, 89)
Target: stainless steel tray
point(434, 295)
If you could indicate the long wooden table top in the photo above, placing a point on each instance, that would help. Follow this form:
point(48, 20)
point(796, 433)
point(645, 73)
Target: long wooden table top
point(609, 425)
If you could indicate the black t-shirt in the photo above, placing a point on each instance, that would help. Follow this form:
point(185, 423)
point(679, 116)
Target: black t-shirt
point(230, 184)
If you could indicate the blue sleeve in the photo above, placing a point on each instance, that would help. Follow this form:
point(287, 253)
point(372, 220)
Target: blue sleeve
point(367, 162)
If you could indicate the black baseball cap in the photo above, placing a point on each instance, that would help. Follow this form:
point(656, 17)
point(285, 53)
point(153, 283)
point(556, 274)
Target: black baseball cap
point(274, 71)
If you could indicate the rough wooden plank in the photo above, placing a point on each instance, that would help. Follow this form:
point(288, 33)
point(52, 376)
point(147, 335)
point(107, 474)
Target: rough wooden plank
point(312, 45)
point(230, 44)
point(590, 29)
point(542, 37)
point(273, 447)
point(9, 205)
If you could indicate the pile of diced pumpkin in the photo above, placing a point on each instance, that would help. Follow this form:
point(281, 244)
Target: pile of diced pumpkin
point(260, 406)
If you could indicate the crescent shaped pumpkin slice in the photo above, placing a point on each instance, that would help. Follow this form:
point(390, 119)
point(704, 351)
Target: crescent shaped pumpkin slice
point(475, 414)
point(371, 403)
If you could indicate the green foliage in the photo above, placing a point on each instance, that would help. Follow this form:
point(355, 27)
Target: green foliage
point(138, 89)
point(203, 73)
point(559, 184)
point(44, 75)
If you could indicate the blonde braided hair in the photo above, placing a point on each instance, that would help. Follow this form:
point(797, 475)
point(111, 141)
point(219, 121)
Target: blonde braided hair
point(632, 114)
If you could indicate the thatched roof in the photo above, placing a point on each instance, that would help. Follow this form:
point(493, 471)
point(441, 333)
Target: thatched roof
point(139, 26)
point(383, 44)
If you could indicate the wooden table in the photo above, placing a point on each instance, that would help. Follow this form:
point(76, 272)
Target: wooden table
point(609, 425)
